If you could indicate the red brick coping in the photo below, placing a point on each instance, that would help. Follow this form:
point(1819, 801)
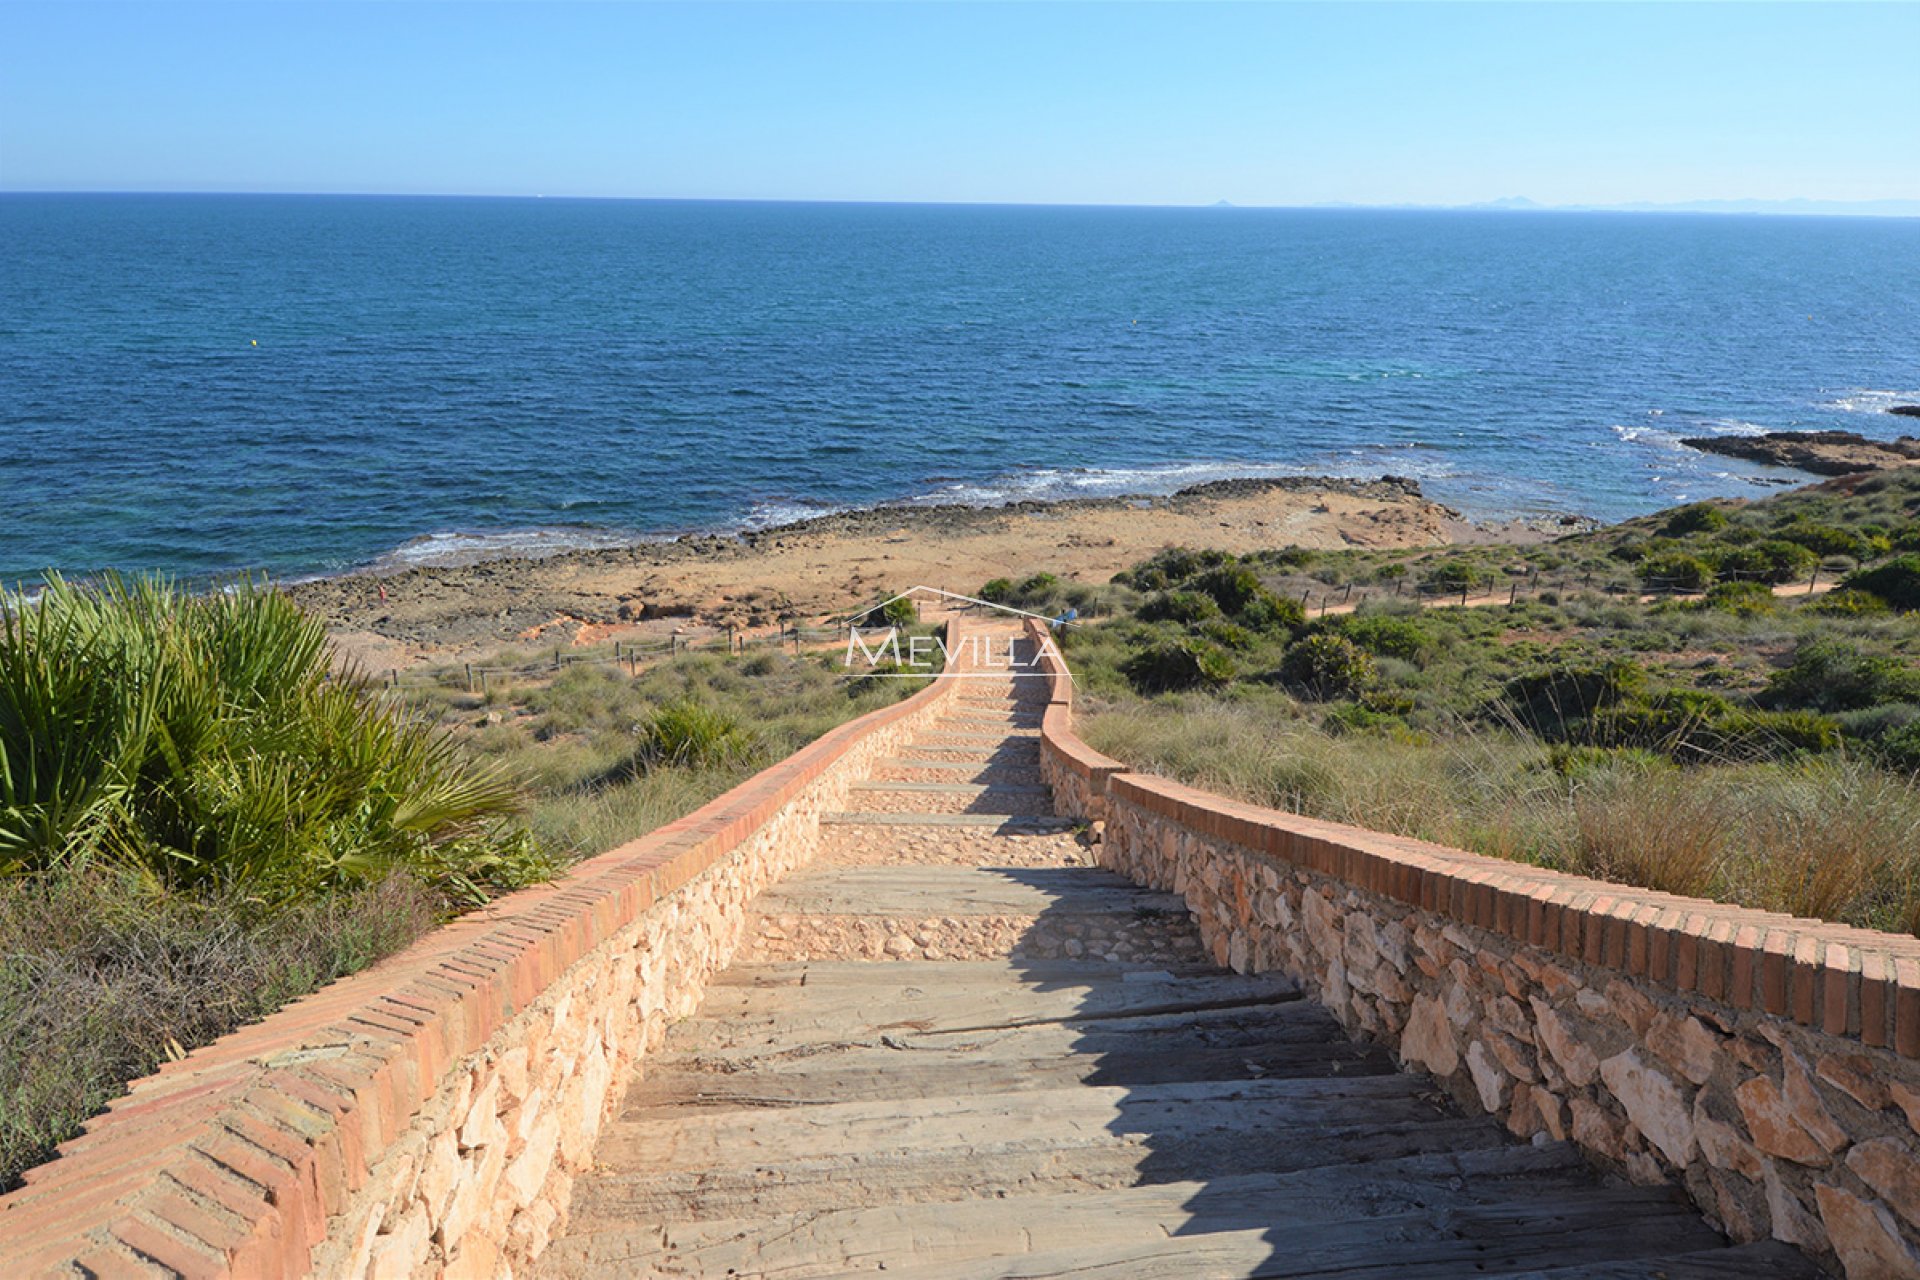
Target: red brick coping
point(280, 1122)
point(1844, 981)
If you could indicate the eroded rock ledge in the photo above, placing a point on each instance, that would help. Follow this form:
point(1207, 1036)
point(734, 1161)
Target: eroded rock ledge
point(1824, 453)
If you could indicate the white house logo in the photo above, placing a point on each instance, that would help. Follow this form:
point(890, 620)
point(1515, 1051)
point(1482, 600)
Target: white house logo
point(880, 646)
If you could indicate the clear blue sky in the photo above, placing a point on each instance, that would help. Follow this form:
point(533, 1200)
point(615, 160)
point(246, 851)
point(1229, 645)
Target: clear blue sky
point(1174, 103)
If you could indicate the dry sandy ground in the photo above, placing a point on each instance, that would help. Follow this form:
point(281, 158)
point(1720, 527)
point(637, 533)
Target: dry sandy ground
point(827, 566)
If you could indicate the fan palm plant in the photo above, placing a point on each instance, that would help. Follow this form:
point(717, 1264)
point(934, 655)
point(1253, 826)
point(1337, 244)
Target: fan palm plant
point(202, 740)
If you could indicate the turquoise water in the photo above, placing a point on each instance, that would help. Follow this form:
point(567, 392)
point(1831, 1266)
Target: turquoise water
point(445, 377)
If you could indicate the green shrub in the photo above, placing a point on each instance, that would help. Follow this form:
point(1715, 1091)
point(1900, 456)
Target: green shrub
point(1040, 584)
point(1326, 665)
point(1388, 637)
point(1694, 726)
point(203, 740)
point(1273, 615)
point(1578, 762)
point(997, 591)
point(1696, 517)
point(1897, 581)
point(1742, 599)
point(1226, 634)
point(691, 734)
point(1359, 717)
point(898, 612)
point(1185, 607)
point(1824, 539)
point(1772, 561)
point(1171, 567)
point(1846, 603)
point(1675, 571)
point(1832, 675)
point(1452, 576)
point(1900, 750)
point(1556, 702)
point(1187, 663)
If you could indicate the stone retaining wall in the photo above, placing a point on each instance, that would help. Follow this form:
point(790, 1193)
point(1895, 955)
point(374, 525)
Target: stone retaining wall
point(1766, 1064)
point(426, 1117)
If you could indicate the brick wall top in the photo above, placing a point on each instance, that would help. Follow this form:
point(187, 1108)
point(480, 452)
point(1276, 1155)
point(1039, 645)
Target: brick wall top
point(280, 1121)
point(1832, 977)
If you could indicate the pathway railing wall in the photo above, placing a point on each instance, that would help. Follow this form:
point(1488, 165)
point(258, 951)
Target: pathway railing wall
point(1769, 1065)
point(426, 1117)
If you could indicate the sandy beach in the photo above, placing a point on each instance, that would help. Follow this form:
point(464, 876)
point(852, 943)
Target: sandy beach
point(817, 568)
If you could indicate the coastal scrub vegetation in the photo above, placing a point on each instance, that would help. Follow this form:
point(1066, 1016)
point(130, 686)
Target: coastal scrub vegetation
point(605, 756)
point(201, 820)
point(1740, 726)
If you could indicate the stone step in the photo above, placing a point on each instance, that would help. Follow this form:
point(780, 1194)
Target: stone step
point(964, 737)
point(1021, 822)
point(1578, 1228)
point(935, 1006)
point(907, 796)
point(1114, 1047)
point(953, 788)
point(1232, 1052)
point(990, 770)
point(952, 891)
point(892, 1237)
point(1009, 1163)
point(856, 845)
point(985, 747)
point(1059, 1120)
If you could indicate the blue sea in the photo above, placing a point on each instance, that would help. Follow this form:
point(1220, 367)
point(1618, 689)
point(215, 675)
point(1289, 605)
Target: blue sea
point(304, 385)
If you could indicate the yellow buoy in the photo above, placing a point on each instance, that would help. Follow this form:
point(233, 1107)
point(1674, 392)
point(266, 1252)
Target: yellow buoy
point(256, 342)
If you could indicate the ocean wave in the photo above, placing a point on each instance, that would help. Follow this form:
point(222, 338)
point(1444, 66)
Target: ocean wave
point(455, 547)
point(1867, 400)
point(771, 513)
point(1054, 484)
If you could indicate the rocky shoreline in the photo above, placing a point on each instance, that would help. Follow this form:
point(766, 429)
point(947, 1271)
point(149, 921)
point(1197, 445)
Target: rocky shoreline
point(1821, 453)
point(395, 618)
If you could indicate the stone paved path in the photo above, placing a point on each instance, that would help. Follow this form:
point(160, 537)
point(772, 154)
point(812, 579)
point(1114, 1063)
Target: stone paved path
point(955, 1049)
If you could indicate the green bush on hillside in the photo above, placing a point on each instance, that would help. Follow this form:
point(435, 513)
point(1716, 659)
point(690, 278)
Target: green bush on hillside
point(1773, 561)
point(691, 734)
point(1452, 577)
point(1693, 725)
point(1184, 607)
point(1552, 702)
point(1169, 568)
point(1675, 571)
point(1697, 517)
point(201, 741)
point(1326, 665)
point(1387, 636)
point(1897, 581)
point(1846, 603)
point(1833, 675)
point(1826, 539)
point(1743, 599)
point(1188, 663)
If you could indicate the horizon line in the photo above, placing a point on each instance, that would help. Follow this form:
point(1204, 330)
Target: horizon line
point(1788, 206)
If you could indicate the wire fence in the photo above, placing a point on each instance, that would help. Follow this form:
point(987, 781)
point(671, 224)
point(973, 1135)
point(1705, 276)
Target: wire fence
point(1537, 584)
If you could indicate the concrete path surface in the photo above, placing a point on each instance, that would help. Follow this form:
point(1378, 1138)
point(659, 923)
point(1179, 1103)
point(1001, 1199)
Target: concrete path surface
point(954, 1048)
